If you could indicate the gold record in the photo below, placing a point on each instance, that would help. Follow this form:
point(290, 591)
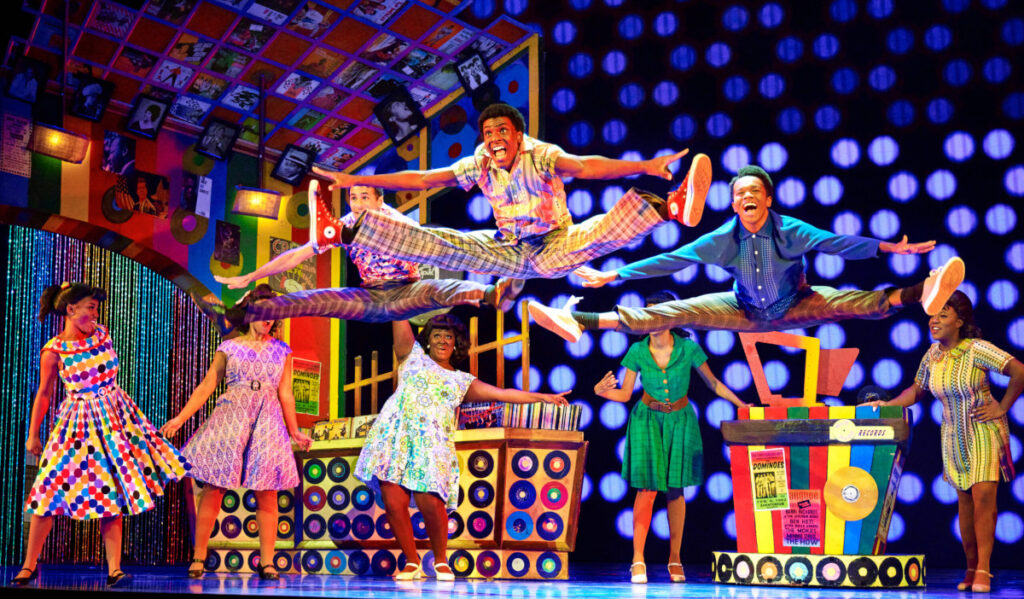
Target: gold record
point(851, 493)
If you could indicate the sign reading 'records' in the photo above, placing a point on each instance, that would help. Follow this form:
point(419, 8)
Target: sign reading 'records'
point(845, 431)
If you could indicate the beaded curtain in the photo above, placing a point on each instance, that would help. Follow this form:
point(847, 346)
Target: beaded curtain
point(165, 346)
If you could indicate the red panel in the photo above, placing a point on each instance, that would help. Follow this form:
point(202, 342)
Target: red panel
point(818, 462)
point(357, 109)
point(224, 113)
point(285, 49)
point(96, 49)
point(270, 74)
point(349, 35)
point(775, 413)
point(278, 109)
point(79, 10)
point(151, 35)
point(342, 4)
point(282, 137)
point(363, 138)
point(48, 58)
point(211, 20)
point(505, 30)
point(743, 499)
point(743, 414)
point(415, 22)
point(125, 88)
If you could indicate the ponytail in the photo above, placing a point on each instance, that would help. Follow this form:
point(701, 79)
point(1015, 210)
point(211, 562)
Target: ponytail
point(56, 298)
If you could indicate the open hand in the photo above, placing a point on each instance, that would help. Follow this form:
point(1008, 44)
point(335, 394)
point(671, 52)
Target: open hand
point(233, 282)
point(608, 383)
point(658, 166)
point(903, 247)
point(301, 439)
point(595, 278)
point(338, 180)
point(988, 412)
point(171, 427)
point(555, 398)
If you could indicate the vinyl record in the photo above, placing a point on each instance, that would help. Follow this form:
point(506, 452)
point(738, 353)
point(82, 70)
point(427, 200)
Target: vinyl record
point(554, 495)
point(311, 562)
point(481, 493)
point(339, 526)
point(480, 525)
point(550, 526)
point(195, 163)
point(314, 498)
point(831, 572)
point(254, 560)
point(862, 572)
point(769, 570)
point(382, 563)
point(233, 561)
point(223, 269)
point(363, 527)
point(524, 463)
point(549, 565)
point(249, 500)
point(198, 225)
point(517, 564)
point(285, 501)
point(519, 525)
point(335, 561)
point(480, 463)
point(362, 497)
point(251, 527)
point(557, 464)
point(458, 503)
point(282, 561)
point(212, 561)
point(313, 470)
point(890, 572)
point(216, 528)
point(358, 562)
point(743, 569)
point(314, 526)
point(296, 210)
point(522, 494)
point(383, 528)
point(338, 469)
point(111, 211)
point(488, 564)
point(285, 528)
point(798, 571)
point(462, 563)
point(231, 527)
point(913, 572)
point(338, 498)
point(419, 527)
point(723, 568)
point(455, 525)
point(850, 493)
point(229, 503)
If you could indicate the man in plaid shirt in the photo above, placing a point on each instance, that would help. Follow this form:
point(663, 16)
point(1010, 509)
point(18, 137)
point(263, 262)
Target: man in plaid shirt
point(391, 289)
point(522, 179)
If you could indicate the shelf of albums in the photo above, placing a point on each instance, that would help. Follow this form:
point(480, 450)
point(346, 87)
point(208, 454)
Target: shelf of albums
point(521, 475)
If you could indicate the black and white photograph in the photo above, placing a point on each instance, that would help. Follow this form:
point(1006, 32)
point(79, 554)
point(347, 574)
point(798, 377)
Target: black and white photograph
point(293, 164)
point(473, 72)
point(217, 139)
point(91, 98)
point(400, 116)
point(147, 116)
point(28, 80)
point(118, 153)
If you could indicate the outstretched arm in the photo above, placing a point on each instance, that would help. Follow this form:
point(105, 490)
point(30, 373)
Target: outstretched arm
point(438, 177)
point(281, 263)
point(908, 397)
point(600, 167)
point(199, 396)
point(608, 386)
point(903, 247)
point(702, 250)
point(718, 387)
point(481, 391)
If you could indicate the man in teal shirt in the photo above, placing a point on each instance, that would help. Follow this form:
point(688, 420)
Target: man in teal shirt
point(764, 253)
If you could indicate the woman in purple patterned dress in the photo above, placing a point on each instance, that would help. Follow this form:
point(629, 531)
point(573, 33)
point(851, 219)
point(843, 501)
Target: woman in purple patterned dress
point(246, 441)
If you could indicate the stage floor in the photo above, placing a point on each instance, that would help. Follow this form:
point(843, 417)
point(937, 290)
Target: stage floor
point(586, 580)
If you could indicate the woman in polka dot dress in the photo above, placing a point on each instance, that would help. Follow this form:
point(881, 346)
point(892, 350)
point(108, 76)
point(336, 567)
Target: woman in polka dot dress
point(103, 458)
point(247, 440)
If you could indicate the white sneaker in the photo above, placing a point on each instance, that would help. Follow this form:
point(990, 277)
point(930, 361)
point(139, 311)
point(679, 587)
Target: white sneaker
point(941, 284)
point(558, 321)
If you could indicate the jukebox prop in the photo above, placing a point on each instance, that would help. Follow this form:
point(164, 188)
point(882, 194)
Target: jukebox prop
point(814, 486)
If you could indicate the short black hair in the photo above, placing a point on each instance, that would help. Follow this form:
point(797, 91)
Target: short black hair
point(56, 298)
point(378, 191)
point(752, 170)
point(447, 322)
point(496, 111)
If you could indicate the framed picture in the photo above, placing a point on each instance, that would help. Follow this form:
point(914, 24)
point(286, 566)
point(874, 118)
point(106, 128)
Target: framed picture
point(217, 138)
point(400, 115)
point(28, 79)
point(91, 98)
point(293, 164)
point(147, 115)
point(473, 72)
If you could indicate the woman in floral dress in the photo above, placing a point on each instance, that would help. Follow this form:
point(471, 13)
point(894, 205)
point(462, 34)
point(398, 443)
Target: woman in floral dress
point(103, 458)
point(410, 451)
point(975, 432)
point(246, 441)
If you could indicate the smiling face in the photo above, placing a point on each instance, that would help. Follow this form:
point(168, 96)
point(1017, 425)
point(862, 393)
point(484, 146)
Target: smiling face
point(83, 314)
point(750, 201)
point(442, 345)
point(945, 326)
point(362, 198)
point(502, 141)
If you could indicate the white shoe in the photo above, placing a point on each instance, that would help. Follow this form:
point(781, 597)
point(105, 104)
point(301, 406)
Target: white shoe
point(638, 578)
point(941, 284)
point(446, 575)
point(558, 321)
point(413, 573)
point(676, 577)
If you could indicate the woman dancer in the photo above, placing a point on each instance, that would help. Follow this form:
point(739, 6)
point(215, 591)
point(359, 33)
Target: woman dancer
point(246, 442)
point(664, 451)
point(410, 451)
point(975, 435)
point(103, 459)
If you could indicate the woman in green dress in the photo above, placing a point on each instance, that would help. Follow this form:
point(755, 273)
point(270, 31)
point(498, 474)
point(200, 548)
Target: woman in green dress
point(664, 451)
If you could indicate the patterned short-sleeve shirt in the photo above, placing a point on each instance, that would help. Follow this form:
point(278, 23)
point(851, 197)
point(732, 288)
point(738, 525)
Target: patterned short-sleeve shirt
point(527, 201)
point(378, 270)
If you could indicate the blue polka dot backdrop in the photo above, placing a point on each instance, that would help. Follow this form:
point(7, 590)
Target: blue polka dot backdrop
point(875, 118)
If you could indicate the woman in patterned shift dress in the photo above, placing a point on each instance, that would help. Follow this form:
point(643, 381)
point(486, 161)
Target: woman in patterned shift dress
point(409, 449)
point(664, 451)
point(975, 433)
point(103, 458)
point(246, 441)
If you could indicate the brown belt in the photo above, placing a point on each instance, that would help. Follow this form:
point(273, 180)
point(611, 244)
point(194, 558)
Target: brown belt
point(664, 406)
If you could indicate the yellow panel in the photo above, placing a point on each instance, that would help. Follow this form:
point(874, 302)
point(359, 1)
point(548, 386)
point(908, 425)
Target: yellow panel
point(835, 528)
point(74, 189)
point(763, 527)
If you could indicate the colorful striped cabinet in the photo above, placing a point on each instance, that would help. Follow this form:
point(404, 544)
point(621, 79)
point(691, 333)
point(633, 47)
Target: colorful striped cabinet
point(813, 491)
point(519, 499)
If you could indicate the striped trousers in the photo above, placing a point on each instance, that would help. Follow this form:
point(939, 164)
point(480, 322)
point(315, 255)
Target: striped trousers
point(368, 304)
point(722, 312)
point(550, 256)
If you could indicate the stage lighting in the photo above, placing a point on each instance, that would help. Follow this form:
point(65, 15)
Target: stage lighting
point(50, 140)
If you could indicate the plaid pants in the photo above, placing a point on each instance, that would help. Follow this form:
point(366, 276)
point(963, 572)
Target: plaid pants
point(721, 311)
point(554, 255)
point(367, 304)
